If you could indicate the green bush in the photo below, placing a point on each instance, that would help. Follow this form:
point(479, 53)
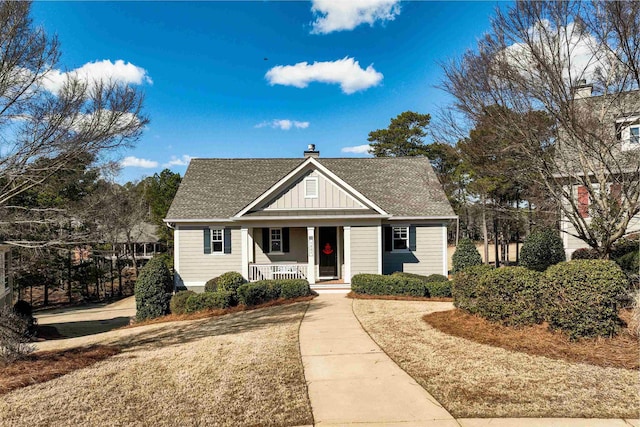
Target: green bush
point(510, 295)
point(209, 301)
point(542, 249)
point(259, 292)
point(466, 255)
point(211, 285)
point(178, 302)
point(429, 278)
point(624, 246)
point(439, 289)
point(630, 262)
point(395, 284)
point(436, 278)
point(582, 297)
point(231, 281)
point(153, 290)
point(585, 253)
point(464, 287)
point(294, 288)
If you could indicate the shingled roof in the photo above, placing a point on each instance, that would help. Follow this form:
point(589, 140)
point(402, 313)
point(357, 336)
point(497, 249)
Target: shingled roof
point(220, 188)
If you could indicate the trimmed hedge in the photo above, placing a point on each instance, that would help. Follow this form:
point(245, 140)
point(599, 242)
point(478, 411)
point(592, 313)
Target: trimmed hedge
point(395, 284)
point(153, 290)
point(230, 281)
point(624, 246)
point(209, 301)
point(582, 297)
point(464, 287)
point(585, 253)
point(178, 302)
point(466, 255)
point(630, 262)
point(542, 249)
point(256, 293)
point(211, 285)
point(429, 278)
point(439, 289)
point(510, 295)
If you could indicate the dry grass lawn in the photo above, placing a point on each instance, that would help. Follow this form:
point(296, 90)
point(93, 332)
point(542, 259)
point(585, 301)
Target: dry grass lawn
point(475, 380)
point(240, 369)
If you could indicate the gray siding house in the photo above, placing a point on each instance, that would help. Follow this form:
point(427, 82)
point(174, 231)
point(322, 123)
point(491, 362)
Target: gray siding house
point(313, 218)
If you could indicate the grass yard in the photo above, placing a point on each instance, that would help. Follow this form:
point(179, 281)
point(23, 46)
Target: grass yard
point(475, 380)
point(239, 369)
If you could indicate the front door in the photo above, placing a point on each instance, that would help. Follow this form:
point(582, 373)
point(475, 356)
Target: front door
point(328, 250)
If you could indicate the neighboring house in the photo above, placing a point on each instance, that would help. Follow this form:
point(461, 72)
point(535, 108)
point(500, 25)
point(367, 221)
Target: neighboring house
point(6, 295)
point(313, 218)
point(622, 122)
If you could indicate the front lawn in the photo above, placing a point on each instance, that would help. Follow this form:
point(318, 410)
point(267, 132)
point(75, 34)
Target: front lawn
point(239, 369)
point(474, 380)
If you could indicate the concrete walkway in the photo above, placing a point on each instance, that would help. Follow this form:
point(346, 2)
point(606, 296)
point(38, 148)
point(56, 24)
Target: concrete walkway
point(351, 380)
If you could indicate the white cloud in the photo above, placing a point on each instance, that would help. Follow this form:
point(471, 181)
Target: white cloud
point(284, 124)
point(119, 71)
point(340, 15)
point(132, 161)
point(178, 161)
point(346, 72)
point(358, 149)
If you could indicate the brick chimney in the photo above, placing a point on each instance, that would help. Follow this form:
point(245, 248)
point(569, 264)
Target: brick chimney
point(311, 151)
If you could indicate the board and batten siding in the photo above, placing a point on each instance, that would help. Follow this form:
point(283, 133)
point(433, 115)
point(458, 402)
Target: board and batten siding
point(196, 267)
point(330, 196)
point(365, 242)
point(427, 258)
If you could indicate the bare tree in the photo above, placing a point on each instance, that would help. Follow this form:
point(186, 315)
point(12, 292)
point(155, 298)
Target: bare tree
point(534, 64)
point(45, 127)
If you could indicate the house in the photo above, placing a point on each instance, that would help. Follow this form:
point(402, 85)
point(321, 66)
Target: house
point(618, 124)
point(310, 217)
point(6, 295)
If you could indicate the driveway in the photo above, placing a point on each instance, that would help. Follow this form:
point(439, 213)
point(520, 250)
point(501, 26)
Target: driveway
point(88, 320)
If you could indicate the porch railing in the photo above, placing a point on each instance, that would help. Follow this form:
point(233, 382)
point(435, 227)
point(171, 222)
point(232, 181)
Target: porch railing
point(277, 271)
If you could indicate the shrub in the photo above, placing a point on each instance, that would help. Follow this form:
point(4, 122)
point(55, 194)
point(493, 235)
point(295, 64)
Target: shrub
point(436, 278)
point(543, 248)
point(585, 253)
point(211, 285)
point(582, 297)
point(464, 286)
point(15, 336)
point(625, 246)
point(230, 281)
point(439, 289)
point(258, 292)
point(429, 278)
point(153, 290)
point(466, 255)
point(395, 284)
point(178, 302)
point(630, 262)
point(294, 288)
point(510, 295)
point(25, 311)
point(209, 301)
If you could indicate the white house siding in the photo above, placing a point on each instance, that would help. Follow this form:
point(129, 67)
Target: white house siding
point(365, 241)
point(572, 243)
point(297, 247)
point(330, 196)
point(195, 267)
point(428, 257)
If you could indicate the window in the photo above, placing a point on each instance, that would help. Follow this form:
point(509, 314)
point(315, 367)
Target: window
point(634, 134)
point(400, 238)
point(275, 241)
point(217, 240)
point(311, 187)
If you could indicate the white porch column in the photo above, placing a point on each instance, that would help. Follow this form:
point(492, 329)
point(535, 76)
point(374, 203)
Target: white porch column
point(311, 257)
point(251, 245)
point(445, 251)
point(380, 249)
point(346, 235)
point(244, 248)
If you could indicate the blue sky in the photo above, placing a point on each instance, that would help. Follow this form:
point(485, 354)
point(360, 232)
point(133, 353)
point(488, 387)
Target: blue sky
point(218, 76)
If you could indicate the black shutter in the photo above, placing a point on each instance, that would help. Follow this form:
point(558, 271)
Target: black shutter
point(412, 237)
point(285, 239)
point(227, 240)
point(388, 239)
point(207, 240)
point(265, 241)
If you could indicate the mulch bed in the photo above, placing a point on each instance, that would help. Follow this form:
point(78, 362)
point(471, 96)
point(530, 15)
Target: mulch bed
point(44, 366)
point(205, 314)
point(620, 351)
point(355, 295)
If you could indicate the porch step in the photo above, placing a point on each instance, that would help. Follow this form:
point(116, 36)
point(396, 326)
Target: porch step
point(331, 287)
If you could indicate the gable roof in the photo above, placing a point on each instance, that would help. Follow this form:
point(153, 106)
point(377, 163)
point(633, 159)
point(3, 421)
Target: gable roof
point(220, 188)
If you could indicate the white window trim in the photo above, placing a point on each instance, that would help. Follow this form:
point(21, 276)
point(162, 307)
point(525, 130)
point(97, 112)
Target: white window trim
point(393, 239)
point(625, 135)
point(272, 252)
point(221, 252)
point(315, 180)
